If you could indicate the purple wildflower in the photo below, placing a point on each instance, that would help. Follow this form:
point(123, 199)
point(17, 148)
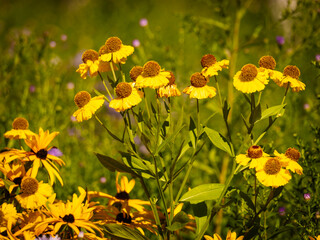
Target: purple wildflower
point(103, 180)
point(136, 43)
point(282, 211)
point(143, 22)
point(280, 40)
point(55, 152)
point(307, 196)
point(318, 57)
point(32, 88)
point(52, 44)
point(70, 85)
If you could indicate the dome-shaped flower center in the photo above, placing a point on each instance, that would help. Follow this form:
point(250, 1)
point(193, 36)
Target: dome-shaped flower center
point(102, 50)
point(29, 185)
point(123, 90)
point(42, 154)
point(198, 80)
point(135, 72)
point(293, 154)
point(20, 124)
point(272, 166)
point(122, 195)
point(248, 73)
point(82, 98)
point(90, 55)
point(113, 44)
point(151, 69)
point(171, 79)
point(208, 60)
point(69, 218)
point(123, 217)
point(255, 152)
point(291, 71)
point(267, 62)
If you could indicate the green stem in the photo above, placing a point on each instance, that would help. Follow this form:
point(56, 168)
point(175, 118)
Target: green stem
point(122, 73)
point(285, 94)
point(105, 86)
point(113, 73)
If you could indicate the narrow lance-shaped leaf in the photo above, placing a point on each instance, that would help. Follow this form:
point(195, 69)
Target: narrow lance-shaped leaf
point(219, 141)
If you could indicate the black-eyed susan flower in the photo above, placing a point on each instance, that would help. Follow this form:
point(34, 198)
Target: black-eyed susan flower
point(34, 194)
point(230, 236)
point(87, 105)
point(14, 171)
point(115, 51)
point(249, 79)
point(127, 97)
point(271, 172)
point(152, 76)
point(211, 66)
point(169, 90)
point(199, 88)
point(20, 129)
point(253, 155)
point(90, 59)
point(291, 156)
point(290, 76)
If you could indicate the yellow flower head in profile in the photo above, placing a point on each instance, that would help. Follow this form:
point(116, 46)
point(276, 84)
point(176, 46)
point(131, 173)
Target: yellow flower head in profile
point(199, 88)
point(290, 76)
point(211, 66)
point(20, 129)
point(152, 76)
point(314, 238)
point(87, 105)
point(90, 59)
point(254, 156)
point(271, 172)
point(135, 72)
point(230, 236)
point(115, 51)
point(34, 194)
point(291, 156)
point(171, 89)
point(13, 171)
point(128, 97)
point(249, 79)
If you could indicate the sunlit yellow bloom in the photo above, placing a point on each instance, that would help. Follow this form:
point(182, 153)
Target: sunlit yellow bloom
point(271, 172)
point(152, 76)
point(199, 88)
point(254, 155)
point(314, 238)
point(14, 172)
point(90, 59)
point(249, 79)
point(20, 129)
point(230, 236)
point(8, 217)
point(128, 97)
point(211, 66)
point(267, 64)
point(87, 105)
point(291, 156)
point(169, 90)
point(75, 215)
point(290, 76)
point(115, 51)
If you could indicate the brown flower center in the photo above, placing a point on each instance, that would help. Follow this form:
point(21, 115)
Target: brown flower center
point(272, 166)
point(82, 98)
point(255, 152)
point(90, 55)
point(102, 50)
point(113, 44)
point(291, 71)
point(123, 217)
point(198, 80)
point(248, 73)
point(293, 154)
point(208, 60)
point(69, 218)
point(122, 195)
point(123, 90)
point(135, 72)
point(29, 185)
point(151, 69)
point(267, 62)
point(20, 124)
point(171, 79)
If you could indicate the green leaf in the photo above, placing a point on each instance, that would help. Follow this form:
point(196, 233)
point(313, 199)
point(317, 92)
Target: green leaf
point(226, 110)
point(255, 115)
point(219, 141)
point(210, 191)
point(271, 112)
point(247, 199)
point(200, 212)
point(122, 232)
point(167, 140)
point(179, 221)
point(7, 183)
point(192, 132)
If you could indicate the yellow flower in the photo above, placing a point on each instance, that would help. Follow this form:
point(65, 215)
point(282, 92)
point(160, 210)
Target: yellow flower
point(199, 88)
point(315, 238)
point(152, 76)
point(290, 76)
point(8, 217)
point(254, 155)
point(211, 66)
point(75, 215)
point(249, 79)
point(230, 236)
point(20, 129)
point(87, 105)
point(169, 90)
point(135, 72)
point(90, 63)
point(291, 156)
point(115, 51)
point(34, 194)
point(14, 172)
point(128, 97)
point(271, 172)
